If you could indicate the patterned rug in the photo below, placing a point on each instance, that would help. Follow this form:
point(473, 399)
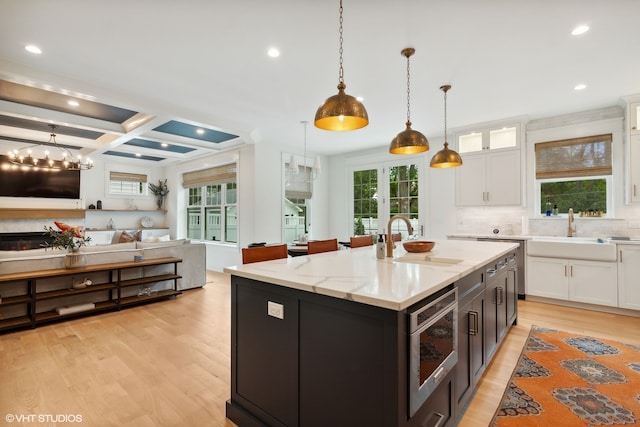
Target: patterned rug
point(565, 379)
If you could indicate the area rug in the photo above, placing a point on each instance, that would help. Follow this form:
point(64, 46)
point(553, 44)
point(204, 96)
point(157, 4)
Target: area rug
point(564, 379)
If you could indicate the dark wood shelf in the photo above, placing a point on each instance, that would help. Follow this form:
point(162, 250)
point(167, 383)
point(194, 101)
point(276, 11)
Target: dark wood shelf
point(47, 316)
point(69, 292)
point(15, 322)
point(20, 299)
point(149, 279)
point(148, 298)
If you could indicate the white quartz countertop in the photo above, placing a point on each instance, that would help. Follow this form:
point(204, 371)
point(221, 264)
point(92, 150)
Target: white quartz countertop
point(394, 283)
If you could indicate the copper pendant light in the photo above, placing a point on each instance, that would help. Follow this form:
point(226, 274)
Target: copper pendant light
point(341, 112)
point(409, 141)
point(446, 158)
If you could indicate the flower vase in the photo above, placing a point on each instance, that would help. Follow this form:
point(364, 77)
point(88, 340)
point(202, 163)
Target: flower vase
point(75, 259)
point(159, 201)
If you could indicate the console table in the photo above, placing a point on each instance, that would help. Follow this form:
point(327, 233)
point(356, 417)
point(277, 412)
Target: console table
point(31, 298)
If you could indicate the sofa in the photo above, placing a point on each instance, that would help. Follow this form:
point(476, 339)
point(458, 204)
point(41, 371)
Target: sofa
point(192, 268)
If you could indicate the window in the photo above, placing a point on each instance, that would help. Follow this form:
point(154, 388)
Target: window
point(298, 194)
point(212, 204)
point(127, 183)
point(575, 173)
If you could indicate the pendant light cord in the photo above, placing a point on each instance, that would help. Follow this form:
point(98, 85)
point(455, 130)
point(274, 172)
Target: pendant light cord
point(445, 116)
point(341, 73)
point(408, 91)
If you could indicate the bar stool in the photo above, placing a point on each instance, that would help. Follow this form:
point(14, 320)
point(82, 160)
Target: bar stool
point(264, 253)
point(357, 242)
point(318, 246)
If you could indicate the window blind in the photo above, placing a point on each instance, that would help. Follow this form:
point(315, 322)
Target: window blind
point(127, 177)
point(216, 175)
point(298, 186)
point(587, 156)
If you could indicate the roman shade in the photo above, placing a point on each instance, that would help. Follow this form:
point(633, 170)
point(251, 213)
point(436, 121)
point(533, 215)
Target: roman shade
point(587, 156)
point(127, 177)
point(299, 185)
point(211, 176)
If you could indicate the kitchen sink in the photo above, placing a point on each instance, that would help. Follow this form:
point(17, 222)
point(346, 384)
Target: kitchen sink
point(586, 248)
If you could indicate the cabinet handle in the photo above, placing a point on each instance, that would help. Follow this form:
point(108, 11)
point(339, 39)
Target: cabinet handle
point(487, 196)
point(473, 323)
point(571, 271)
point(435, 422)
point(620, 255)
point(499, 295)
point(634, 190)
point(565, 271)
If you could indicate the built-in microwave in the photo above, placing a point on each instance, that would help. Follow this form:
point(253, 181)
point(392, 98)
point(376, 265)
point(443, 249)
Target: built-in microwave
point(433, 341)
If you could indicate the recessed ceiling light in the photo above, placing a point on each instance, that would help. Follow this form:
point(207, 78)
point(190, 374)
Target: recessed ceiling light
point(580, 86)
point(273, 52)
point(138, 155)
point(33, 49)
point(200, 131)
point(580, 29)
point(164, 144)
point(360, 98)
point(73, 103)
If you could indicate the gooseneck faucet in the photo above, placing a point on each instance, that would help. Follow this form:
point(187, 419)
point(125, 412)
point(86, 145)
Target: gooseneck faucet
point(571, 228)
point(390, 244)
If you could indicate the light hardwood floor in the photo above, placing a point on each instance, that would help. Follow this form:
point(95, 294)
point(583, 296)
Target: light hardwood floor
point(168, 363)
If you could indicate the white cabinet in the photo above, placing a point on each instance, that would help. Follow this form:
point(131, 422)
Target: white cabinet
point(634, 169)
point(628, 274)
point(592, 282)
point(489, 179)
point(634, 118)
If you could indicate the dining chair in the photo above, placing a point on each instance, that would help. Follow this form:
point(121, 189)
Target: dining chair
point(264, 253)
point(318, 246)
point(357, 242)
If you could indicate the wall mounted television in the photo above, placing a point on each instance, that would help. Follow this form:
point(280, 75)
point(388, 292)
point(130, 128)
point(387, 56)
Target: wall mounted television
point(61, 184)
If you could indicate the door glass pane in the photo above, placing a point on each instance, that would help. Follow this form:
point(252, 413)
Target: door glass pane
point(502, 138)
point(403, 197)
point(365, 202)
point(193, 223)
point(213, 225)
point(470, 143)
point(231, 224)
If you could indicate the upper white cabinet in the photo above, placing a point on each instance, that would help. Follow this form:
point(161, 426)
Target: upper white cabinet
point(634, 118)
point(491, 171)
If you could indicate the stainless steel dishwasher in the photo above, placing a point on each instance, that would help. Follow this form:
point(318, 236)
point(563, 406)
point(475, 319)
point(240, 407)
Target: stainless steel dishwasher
point(520, 274)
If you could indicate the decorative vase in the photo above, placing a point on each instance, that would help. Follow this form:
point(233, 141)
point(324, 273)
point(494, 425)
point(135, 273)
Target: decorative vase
point(75, 259)
point(159, 201)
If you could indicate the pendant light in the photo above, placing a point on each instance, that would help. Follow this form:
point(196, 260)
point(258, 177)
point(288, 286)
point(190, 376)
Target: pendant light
point(341, 112)
point(409, 141)
point(294, 169)
point(446, 158)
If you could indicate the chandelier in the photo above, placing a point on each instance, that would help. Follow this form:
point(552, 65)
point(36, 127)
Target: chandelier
point(25, 157)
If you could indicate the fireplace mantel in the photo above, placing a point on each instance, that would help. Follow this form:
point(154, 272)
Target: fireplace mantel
point(29, 213)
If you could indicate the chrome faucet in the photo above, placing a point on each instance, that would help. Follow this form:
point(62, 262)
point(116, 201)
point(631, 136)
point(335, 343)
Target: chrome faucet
point(571, 230)
point(390, 244)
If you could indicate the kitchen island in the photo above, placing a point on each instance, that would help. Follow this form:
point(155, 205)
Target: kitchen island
point(323, 339)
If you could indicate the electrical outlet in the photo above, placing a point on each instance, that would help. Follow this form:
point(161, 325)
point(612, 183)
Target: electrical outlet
point(275, 310)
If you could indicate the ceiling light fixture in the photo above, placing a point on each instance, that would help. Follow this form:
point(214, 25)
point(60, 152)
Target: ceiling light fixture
point(31, 48)
point(580, 86)
point(446, 158)
point(580, 29)
point(341, 112)
point(67, 162)
point(409, 141)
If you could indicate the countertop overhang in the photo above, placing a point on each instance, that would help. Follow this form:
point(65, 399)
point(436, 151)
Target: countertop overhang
point(393, 283)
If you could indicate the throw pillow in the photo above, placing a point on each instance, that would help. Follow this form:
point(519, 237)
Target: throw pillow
point(130, 236)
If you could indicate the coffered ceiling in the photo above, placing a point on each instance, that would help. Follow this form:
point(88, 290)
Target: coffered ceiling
point(161, 82)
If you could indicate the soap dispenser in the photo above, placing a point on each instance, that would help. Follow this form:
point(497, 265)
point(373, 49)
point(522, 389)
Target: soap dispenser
point(380, 247)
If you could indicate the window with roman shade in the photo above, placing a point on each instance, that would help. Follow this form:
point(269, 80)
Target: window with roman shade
point(212, 211)
point(574, 173)
point(127, 183)
point(588, 156)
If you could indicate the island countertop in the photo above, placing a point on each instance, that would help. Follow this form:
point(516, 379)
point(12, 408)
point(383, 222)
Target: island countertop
point(357, 275)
